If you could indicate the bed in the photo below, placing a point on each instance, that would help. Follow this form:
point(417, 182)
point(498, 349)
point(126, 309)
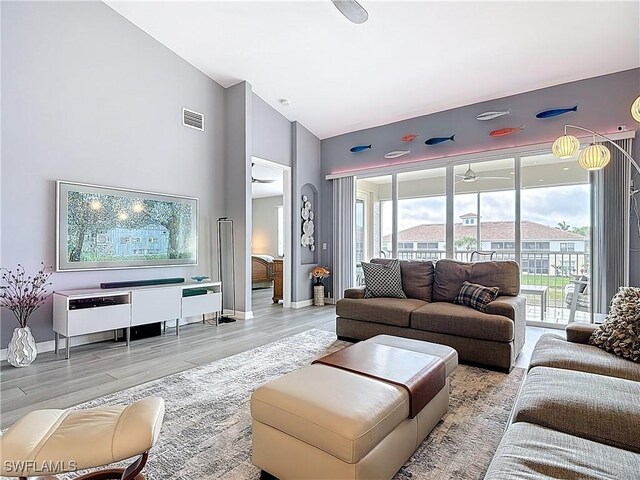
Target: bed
point(261, 271)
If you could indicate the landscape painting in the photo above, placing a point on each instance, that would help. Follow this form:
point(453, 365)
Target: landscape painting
point(106, 227)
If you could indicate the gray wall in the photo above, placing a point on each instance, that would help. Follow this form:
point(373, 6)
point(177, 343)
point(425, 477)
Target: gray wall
point(237, 177)
point(264, 233)
point(306, 166)
point(604, 103)
point(271, 133)
point(92, 98)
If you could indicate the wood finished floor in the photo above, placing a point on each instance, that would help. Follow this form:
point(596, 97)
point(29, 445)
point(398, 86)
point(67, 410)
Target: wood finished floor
point(101, 368)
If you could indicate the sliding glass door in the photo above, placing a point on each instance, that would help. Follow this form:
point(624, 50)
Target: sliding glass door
point(548, 235)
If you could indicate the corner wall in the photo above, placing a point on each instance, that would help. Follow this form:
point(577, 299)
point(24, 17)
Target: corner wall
point(89, 97)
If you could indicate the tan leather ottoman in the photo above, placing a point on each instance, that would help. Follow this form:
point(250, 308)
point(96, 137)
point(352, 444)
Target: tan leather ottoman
point(321, 422)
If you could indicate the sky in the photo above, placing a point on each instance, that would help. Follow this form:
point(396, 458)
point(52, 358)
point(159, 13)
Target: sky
point(548, 206)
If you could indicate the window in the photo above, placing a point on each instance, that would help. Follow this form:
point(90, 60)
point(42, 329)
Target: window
point(405, 245)
point(280, 209)
point(567, 247)
point(536, 246)
point(360, 231)
point(427, 246)
point(152, 240)
point(101, 239)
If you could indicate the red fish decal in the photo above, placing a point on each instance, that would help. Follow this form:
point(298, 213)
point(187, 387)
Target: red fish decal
point(409, 138)
point(501, 132)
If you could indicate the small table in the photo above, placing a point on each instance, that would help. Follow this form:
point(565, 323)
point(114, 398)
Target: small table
point(541, 291)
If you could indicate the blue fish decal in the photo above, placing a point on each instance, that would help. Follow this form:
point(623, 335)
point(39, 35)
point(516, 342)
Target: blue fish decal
point(437, 140)
point(554, 112)
point(359, 148)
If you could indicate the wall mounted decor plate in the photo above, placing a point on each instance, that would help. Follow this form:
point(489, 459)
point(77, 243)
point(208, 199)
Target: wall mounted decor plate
point(308, 228)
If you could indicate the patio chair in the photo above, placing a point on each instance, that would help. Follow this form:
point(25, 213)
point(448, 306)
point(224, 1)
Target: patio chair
point(482, 256)
point(580, 301)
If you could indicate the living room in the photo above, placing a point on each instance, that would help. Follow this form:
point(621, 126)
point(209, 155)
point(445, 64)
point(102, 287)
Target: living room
point(386, 149)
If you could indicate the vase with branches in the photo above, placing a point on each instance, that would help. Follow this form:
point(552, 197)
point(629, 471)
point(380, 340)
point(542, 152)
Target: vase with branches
point(22, 295)
point(318, 288)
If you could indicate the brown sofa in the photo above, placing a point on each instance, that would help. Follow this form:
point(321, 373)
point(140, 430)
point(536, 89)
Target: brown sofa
point(493, 338)
point(577, 414)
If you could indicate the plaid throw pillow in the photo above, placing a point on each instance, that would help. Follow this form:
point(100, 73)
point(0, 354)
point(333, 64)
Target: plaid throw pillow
point(382, 280)
point(476, 296)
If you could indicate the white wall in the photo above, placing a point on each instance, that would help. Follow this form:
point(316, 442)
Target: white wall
point(264, 235)
point(92, 98)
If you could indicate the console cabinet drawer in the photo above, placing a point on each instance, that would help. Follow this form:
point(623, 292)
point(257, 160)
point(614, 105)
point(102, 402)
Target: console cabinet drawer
point(201, 304)
point(98, 319)
point(155, 305)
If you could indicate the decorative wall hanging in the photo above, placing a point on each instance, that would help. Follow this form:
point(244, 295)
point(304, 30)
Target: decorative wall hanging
point(308, 228)
point(554, 112)
point(359, 148)
point(501, 132)
point(397, 153)
point(410, 138)
point(437, 140)
point(492, 115)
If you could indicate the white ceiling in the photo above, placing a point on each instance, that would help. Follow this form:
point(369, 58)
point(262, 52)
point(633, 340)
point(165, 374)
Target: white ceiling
point(264, 172)
point(409, 59)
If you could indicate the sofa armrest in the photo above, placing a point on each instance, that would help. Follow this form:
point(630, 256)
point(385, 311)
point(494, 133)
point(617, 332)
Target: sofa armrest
point(579, 332)
point(514, 308)
point(356, 292)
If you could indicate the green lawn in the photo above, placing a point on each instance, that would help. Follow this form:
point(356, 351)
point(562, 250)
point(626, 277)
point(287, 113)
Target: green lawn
point(555, 294)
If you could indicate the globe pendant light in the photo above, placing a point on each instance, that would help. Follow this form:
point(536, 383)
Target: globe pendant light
point(594, 157)
point(635, 110)
point(565, 146)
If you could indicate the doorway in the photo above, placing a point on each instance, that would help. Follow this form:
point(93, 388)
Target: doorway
point(270, 255)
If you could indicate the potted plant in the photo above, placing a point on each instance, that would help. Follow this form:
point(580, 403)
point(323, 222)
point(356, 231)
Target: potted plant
point(318, 288)
point(23, 295)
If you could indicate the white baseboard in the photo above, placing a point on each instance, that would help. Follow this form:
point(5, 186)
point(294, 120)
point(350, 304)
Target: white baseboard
point(49, 345)
point(243, 315)
point(302, 304)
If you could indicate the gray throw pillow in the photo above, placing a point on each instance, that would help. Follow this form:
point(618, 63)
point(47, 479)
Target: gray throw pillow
point(382, 280)
point(476, 296)
point(620, 332)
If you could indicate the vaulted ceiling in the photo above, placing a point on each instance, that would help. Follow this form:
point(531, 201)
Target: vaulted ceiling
point(408, 59)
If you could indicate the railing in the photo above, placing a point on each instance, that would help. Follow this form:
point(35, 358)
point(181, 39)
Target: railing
point(553, 269)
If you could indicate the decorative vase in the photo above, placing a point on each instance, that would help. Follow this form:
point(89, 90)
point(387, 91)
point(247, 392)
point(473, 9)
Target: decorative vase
point(22, 350)
point(318, 295)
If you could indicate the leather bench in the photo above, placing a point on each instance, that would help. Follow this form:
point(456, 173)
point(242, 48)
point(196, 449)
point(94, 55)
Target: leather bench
point(330, 423)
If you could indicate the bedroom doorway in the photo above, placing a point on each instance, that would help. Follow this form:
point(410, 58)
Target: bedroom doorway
point(270, 236)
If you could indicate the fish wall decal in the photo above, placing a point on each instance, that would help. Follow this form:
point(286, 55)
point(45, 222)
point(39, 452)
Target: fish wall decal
point(397, 153)
point(492, 115)
point(410, 138)
point(554, 112)
point(437, 140)
point(359, 148)
point(501, 132)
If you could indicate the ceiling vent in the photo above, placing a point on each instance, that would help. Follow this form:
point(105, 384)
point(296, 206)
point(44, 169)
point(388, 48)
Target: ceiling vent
point(192, 119)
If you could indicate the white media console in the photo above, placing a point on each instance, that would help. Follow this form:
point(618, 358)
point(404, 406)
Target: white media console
point(79, 312)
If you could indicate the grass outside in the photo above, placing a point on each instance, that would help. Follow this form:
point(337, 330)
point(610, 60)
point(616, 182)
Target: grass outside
point(556, 284)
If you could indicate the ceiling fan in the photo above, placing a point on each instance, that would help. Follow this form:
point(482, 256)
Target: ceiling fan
point(470, 176)
point(352, 10)
point(260, 180)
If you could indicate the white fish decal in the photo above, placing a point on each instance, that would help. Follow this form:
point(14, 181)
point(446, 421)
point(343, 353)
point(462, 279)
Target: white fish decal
point(397, 153)
point(492, 115)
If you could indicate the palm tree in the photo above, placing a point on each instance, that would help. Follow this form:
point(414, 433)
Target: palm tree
point(564, 226)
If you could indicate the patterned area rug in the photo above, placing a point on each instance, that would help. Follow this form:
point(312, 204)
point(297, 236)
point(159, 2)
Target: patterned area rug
point(207, 426)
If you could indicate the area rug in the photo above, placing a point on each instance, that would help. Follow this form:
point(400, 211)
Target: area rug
point(207, 426)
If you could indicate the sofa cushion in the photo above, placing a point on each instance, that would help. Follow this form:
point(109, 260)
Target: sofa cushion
point(595, 407)
point(476, 296)
point(450, 274)
point(417, 277)
point(382, 280)
point(389, 311)
point(620, 333)
point(452, 319)
point(554, 351)
point(531, 452)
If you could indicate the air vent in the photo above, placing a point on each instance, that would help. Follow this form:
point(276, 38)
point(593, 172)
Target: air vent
point(192, 119)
